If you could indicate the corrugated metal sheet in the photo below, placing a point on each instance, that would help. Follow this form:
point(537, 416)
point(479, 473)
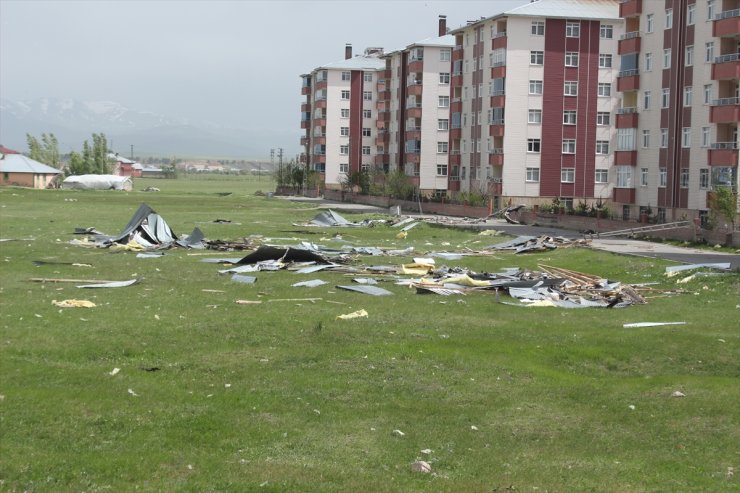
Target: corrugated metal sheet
point(18, 163)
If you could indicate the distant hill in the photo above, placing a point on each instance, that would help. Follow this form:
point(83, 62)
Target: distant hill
point(150, 133)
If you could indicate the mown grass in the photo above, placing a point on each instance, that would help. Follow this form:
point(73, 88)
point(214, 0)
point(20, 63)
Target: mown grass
point(281, 396)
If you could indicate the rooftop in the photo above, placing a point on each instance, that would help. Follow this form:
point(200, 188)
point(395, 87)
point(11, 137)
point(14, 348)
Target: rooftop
point(18, 163)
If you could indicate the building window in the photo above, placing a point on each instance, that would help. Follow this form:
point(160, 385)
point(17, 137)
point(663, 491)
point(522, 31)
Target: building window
point(691, 14)
point(606, 31)
point(643, 177)
point(705, 136)
point(344, 131)
point(626, 139)
point(686, 137)
point(708, 94)
point(688, 92)
point(344, 112)
point(444, 101)
point(605, 89)
point(345, 75)
point(569, 146)
point(571, 88)
point(344, 167)
point(344, 150)
point(572, 29)
point(345, 95)
point(602, 118)
point(601, 176)
point(365, 150)
point(498, 57)
point(441, 170)
point(571, 58)
point(536, 57)
point(668, 18)
point(444, 77)
point(645, 139)
point(367, 77)
point(704, 178)
point(535, 87)
point(533, 145)
point(444, 55)
point(709, 52)
point(684, 178)
point(533, 174)
point(605, 61)
point(662, 177)
point(534, 116)
point(366, 132)
point(567, 175)
point(443, 124)
point(647, 98)
point(569, 117)
point(667, 58)
point(649, 23)
point(689, 58)
point(367, 95)
point(663, 138)
point(665, 97)
point(538, 28)
point(367, 113)
point(648, 62)
point(602, 147)
point(624, 177)
point(710, 10)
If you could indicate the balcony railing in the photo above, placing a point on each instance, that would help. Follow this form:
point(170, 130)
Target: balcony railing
point(499, 63)
point(455, 152)
point(732, 57)
point(726, 102)
point(727, 14)
point(414, 82)
point(628, 73)
point(498, 92)
point(412, 128)
point(724, 145)
point(453, 177)
point(499, 121)
point(495, 151)
point(627, 111)
point(499, 35)
point(630, 35)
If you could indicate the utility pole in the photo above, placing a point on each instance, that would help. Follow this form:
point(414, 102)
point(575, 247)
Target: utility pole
point(132, 152)
point(272, 165)
point(280, 161)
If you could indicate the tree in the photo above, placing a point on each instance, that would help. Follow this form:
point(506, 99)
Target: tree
point(46, 151)
point(76, 164)
point(34, 148)
point(101, 163)
point(724, 204)
point(87, 159)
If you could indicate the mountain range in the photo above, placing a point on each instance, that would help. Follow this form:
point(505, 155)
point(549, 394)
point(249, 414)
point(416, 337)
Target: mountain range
point(150, 134)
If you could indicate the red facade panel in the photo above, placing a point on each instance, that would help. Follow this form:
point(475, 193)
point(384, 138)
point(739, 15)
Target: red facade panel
point(414, 90)
point(627, 120)
point(629, 45)
point(413, 113)
point(723, 157)
point(498, 72)
point(726, 70)
point(630, 8)
point(499, 42)
point(624, 195)
point(628, 83)
point(726, 27)
point(355, 120)
point(729, 113)
point(498, 101)
point(625, 158)
point(496, 130)
point(416, 66)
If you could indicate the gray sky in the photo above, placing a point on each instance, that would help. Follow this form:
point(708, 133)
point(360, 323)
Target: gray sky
point(235, 63)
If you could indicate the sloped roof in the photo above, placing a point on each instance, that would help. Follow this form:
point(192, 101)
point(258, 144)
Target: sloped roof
point(18, 163)
point(6, 150)
point(446, 40)
point(359, 62)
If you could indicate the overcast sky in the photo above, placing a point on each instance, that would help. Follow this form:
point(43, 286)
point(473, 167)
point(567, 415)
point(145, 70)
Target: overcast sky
point(235, 63)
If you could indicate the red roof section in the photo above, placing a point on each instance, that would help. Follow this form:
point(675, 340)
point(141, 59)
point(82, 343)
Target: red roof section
point(5, 150)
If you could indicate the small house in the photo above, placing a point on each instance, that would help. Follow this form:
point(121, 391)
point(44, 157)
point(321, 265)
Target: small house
point(22, 171)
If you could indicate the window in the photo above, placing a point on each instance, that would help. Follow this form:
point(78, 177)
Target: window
point(710, 10)
point(643, 177)
point(444, 101)
point(444, 77)
point(366, 132)
point(345, 95)
point(533, 145)
point(344, 131)
point(567, 175)
point(443, 124)
point(367, 113)
point(601, 176)
point(345, 75)
point(708, 94)
point(605, 61)
point(605, 89)
point(705, 136)
point(647, 98)
point(569, 117)
point(569, 146)
point(684, 178)
point(645, 139)
point(534, 116)
point(626, 139)
point(572, 29)
point(344, 167)
point(320, 167)
point(624, 176)
point(602, 147)
point(344, 150)
point(663, 138)
point(688, 92)
point(441, 170)
point(441, 147)
point(444, 55)
point(571, 58)
point(686, 137)
point(704, 178)
point(689, 58)
point(606, 31)
point(367, 95)
point(498, 57)
point(571, 88)
point(649, 23)
point(665, 97)
point(691, 14)
point(536, 57)
point(709, 52)
point(538, 28)
point(667, 58)
point(602, 118)
point(648, 62)
point(367, 77)
point(535, 87)
point(344, 112)
point(533, 174)
point(668, 18)
point(365, 150)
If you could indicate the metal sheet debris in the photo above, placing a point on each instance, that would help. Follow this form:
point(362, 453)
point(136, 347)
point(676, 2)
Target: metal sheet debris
point(114, 284)
point(371, 290)
point(651, 324)
point(310, 284)
point(672, 270)
point(243, 279)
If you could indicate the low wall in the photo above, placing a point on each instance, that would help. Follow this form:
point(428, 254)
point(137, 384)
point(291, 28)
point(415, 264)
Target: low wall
point(409, 206)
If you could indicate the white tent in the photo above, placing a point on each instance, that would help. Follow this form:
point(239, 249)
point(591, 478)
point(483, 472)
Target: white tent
point(98, 182)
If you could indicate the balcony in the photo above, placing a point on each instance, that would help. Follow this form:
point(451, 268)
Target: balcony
point(305, 90)
point(726, 67)
point(319, 140)
point(498, 99)
point(624, 195)
point(380, 125)
point(304, 141)
point(379, 159)
point(497, 128)
point(628, 80)
point(498, 71)
point(413, 133)
point(415, 89)
point(454, 159)
point(304, 124)
point(726, 24)
point(499, 40)
point(416, 66)
point(384, 116)
point(413, 112)
point(453, 183)
point(305, 107)
point(723, 154)
point(726, 110)
point(412, 157)
point(457, 53)
point(321, 84)
point(625, 158)
point(629, 43)
point(457, 80)
point(495, 186)
point(455, 133)
point(380, 139)
point(320, 103)
point(496, 157)
point(630, 8)
point(319, 122)
point(627, 117)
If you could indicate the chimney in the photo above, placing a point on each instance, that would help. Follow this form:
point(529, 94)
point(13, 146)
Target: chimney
point(442, 25)
point(347, 51)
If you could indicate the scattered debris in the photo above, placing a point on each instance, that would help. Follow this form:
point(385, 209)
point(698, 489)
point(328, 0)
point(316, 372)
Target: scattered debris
point(371, 290)
point(672, 270)
point(248, 302)
point(426, 451)
point(243, 279)
point(421, 466)
point(525, 244)
point(113, 284)
point(357, 314)
point(310, 284)
point(114, 372)
point(152, 189)
point(73, 303)
point(398, 433)
point(651, 324)
point(131, 392)
point(678, 393)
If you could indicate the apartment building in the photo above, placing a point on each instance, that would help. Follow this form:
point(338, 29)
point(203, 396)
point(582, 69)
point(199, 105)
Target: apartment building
point(414, 112)
point(679, 82)
point(339, 115)
point(534, 100)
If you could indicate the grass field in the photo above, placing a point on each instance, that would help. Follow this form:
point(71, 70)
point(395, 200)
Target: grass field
point(281, 396)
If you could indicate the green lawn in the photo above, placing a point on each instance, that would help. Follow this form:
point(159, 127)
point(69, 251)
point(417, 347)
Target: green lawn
point(281, 396)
